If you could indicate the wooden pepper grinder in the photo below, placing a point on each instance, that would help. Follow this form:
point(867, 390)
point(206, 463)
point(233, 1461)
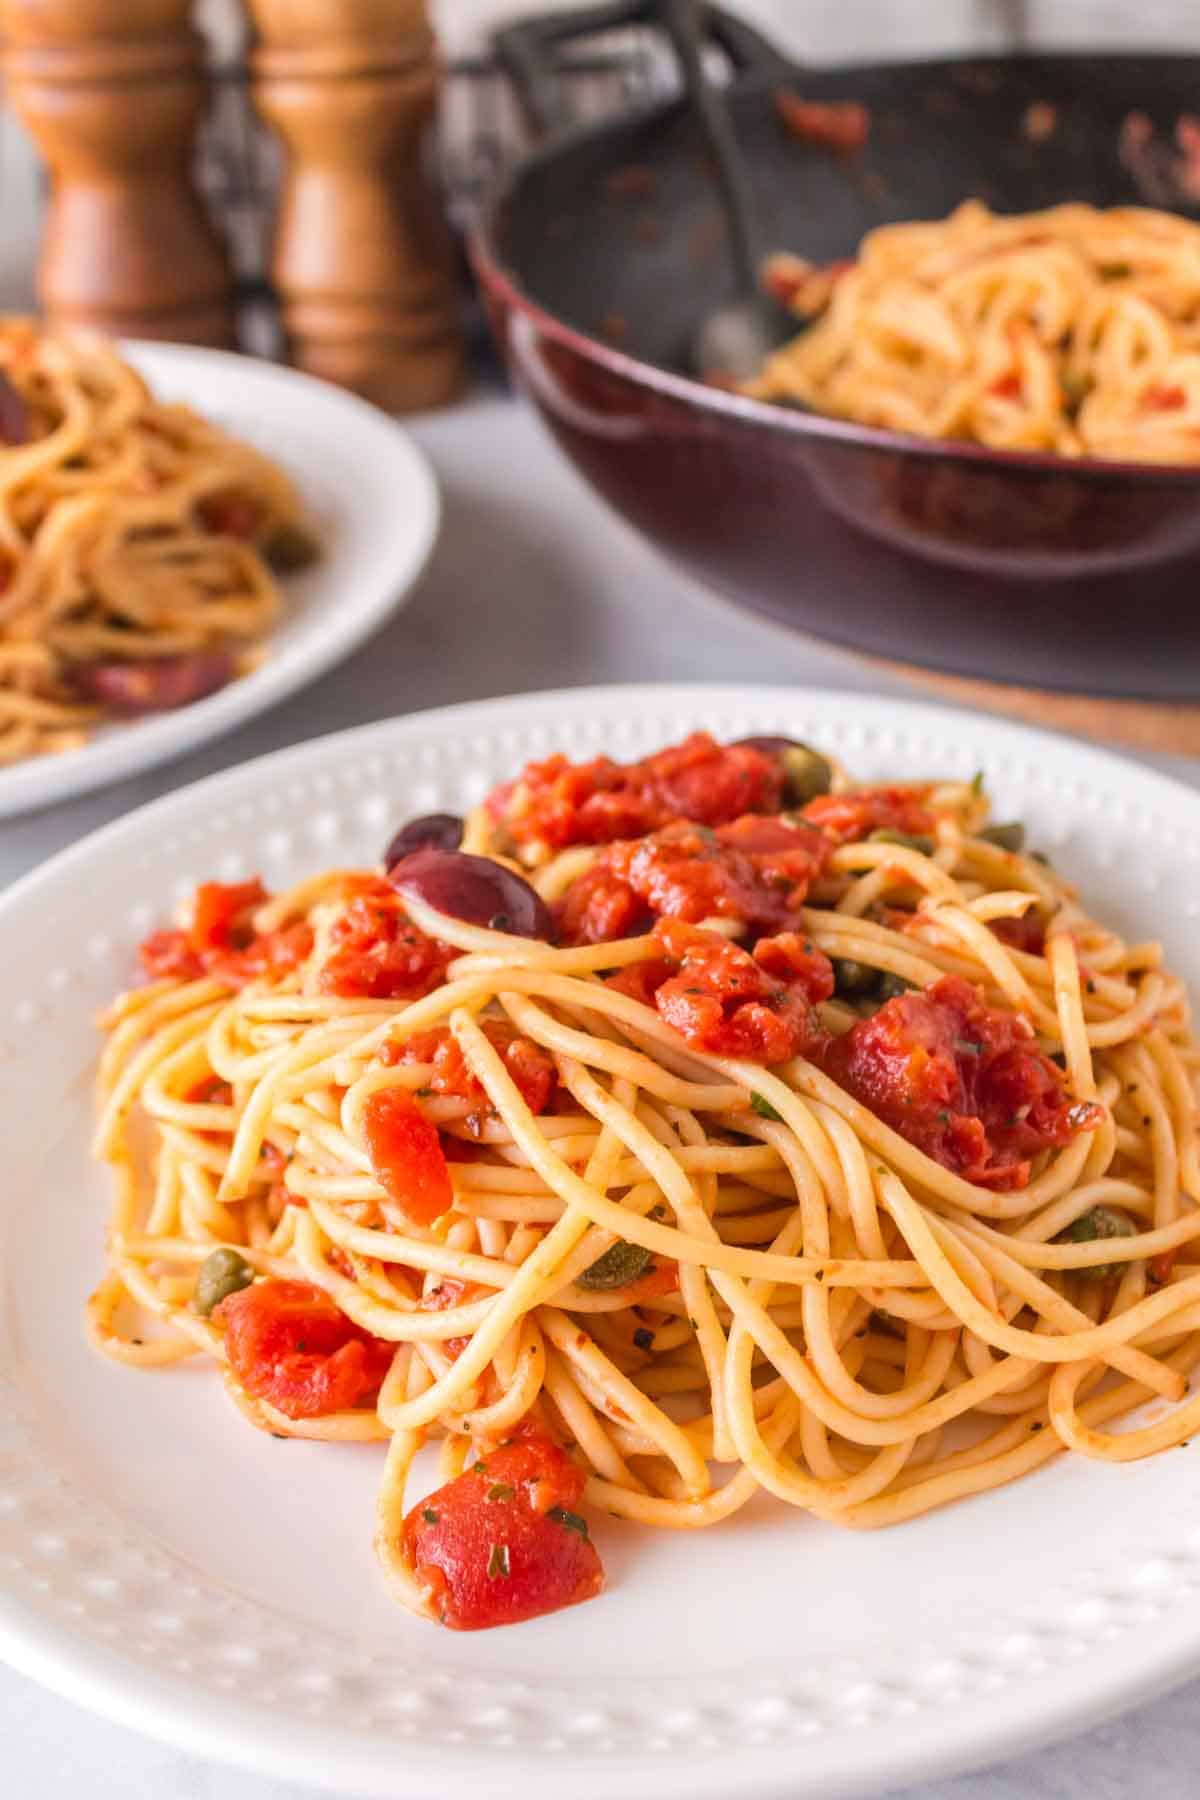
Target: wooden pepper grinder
point(362, 260)
point(112, 95)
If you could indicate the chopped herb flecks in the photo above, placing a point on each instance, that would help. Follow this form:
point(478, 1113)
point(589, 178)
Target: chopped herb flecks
point(568, 1520)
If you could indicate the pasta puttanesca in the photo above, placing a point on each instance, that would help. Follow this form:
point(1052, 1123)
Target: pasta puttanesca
point(516, 1209)
point(137, 542)
point(1074, 330)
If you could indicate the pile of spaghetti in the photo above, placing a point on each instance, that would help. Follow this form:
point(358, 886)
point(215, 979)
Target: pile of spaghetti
point(1074, 330)
point(137, 543)
point(666, 1132)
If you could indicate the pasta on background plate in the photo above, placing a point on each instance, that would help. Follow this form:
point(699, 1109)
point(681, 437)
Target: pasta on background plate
point(139, 544)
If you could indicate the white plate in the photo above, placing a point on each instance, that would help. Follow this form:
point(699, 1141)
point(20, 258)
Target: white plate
point(375, 500)
point(168, 1566)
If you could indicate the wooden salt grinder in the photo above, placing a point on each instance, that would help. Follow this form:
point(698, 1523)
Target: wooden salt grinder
point(112, 95)
point(362, 259)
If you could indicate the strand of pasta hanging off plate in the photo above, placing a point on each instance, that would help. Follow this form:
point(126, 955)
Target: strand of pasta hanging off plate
point(139, 544)
point(662, 1133)
point(1075, 330)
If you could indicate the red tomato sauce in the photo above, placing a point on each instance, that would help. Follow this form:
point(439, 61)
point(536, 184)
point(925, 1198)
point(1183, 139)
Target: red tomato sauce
point(221, 940)
point(376, 953)
point(288, 1344)
point(502, 1542)
point(962, 1081)
point(756, 870)
point(721, 999)
point(840, 125)
point(532, 1068)
point(406, 1155)
point(847, 818)
point(450, 1292)
point(1026, 933)
point(557, 802)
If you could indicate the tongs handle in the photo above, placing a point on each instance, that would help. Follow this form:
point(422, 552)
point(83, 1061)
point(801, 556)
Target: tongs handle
point(526, 51)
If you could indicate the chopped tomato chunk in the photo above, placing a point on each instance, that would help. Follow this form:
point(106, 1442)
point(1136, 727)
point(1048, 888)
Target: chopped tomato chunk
point(847, 818)
point(963, 1081)
point(376, 953)
point(1164, 399)
point(1028, 932)
point(230, 514)
point(721, 999)
point(288, 1344)
point(406, 1155)
point(1161, 1267)
point(754, 869)
point(221, 941)
point(502, 1543)
point(449, 1292)
point(557, 802)
point(533, 1069)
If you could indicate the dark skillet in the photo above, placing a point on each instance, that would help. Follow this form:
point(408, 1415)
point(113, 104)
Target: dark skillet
point(605, 249)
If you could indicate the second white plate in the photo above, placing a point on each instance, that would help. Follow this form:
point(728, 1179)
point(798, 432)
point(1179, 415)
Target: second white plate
point(375, 501)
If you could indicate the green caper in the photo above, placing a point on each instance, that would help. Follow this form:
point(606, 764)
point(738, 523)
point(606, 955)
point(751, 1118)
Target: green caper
point(223, 1272)
point(1090, 1227)
point(1005, 837)
point(805, 774)
point(853, 980)
point(290, 547)
point(907, 840)
point(620, 1264)
point(891, 985)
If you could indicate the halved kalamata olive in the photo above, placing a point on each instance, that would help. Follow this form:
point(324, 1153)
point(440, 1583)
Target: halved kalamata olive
point(475, 890)
point(1009, 836)
point(290, 547)
point(14, 414)
point(806, 773)
point(154, 686)
point(433, 831)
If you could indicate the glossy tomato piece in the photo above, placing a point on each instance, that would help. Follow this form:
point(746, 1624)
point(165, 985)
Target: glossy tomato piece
point(847, 818)
point(221, 940)
point(721, 999)
point(288, 1344)
point(964, 1082)
point(753, 869)
point(406, 1154)
point(503, 1543)
point(375, 952)
point(557, 802)
point(532, 1068)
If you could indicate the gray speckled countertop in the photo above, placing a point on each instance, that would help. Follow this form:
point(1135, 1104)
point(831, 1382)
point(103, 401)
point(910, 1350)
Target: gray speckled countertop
point(533, 586)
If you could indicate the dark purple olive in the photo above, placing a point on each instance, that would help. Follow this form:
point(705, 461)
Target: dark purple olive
point(14, 414)
point(805, 771)
point(433, 831)
point(155, 685)
point(475, 890)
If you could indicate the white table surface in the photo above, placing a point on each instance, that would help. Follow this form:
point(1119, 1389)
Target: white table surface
point(533, 585)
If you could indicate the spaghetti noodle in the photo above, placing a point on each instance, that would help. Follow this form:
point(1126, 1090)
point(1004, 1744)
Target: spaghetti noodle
point(137, 542)
point(1074, 330)
point(832, 1149)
